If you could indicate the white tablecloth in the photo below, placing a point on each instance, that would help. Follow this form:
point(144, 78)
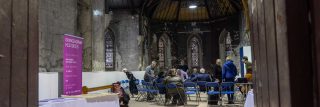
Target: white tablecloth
point(88, 100)
point(63, 102)
point(250, 99)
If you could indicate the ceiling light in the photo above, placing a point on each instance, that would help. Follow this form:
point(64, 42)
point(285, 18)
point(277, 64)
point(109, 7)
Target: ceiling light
point(97, 13)
point(193, 6)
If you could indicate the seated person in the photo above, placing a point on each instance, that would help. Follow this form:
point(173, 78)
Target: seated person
point(202, 76)
point(159, 80)
point(123, 96)
point(183, 75)
point(178, 94)
point(194, 73)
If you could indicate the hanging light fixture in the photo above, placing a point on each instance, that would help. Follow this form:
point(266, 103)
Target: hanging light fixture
point(193, 4)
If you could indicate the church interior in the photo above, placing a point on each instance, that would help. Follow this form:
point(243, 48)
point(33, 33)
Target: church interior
point(160, 53)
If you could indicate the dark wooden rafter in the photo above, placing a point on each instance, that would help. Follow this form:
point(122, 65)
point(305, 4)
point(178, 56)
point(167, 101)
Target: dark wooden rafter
point(236, 4)
point(208, 9)
point(174, 10)
point(168, 10)
point(149, 8)
point(178, 11)
point(162, 6)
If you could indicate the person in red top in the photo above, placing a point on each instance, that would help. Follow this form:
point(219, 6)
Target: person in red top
point(123, 97)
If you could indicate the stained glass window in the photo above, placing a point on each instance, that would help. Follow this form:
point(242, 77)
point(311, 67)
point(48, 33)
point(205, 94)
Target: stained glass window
point(161, 53)
point(194, 45)
point(109, 51)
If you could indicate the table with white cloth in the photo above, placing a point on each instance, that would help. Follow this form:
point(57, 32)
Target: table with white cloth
point(85, 100)
point(63, 102)
point(250, 99)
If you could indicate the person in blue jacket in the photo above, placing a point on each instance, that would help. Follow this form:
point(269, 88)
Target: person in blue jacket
point(229, 72)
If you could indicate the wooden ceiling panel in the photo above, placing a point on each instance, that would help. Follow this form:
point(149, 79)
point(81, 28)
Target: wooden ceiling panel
point(177, 10)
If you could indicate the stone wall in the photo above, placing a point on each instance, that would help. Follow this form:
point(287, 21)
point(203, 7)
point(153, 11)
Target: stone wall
point(128, 50)
point(56, 17)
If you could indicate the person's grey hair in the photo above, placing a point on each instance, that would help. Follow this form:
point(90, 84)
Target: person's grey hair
point(202, 70)
point(153, 62)
point(124, 69)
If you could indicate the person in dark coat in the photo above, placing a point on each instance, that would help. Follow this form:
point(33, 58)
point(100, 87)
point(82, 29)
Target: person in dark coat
point(229, 72)
point(193, 73)
point(159, 80)
point(202, 76)
point(183, 66)
point(132, 82)
point(217, 70)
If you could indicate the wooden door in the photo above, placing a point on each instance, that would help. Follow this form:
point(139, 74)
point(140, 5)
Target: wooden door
point(315, 14)
point(282, 47)
point(19, 48)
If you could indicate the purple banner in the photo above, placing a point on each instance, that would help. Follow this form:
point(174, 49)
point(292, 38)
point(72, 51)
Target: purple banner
point(72, 65)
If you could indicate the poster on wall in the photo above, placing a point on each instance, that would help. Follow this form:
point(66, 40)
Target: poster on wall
point(72, 65)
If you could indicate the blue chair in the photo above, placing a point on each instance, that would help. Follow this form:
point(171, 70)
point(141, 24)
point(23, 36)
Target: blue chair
point(213, 88)
point(191, 89)
point(126, 82)
point(201, 84)
point(142, 91)
point(137, 81)
point(162, 92)
point(227, 88)
point(174, 86)
point(153, 91)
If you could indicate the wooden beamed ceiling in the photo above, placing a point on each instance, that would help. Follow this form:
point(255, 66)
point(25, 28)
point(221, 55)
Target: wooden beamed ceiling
point(179, 11)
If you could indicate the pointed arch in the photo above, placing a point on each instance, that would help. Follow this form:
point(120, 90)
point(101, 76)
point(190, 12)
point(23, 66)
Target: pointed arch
point(109, 50)
point(164, 51)
point(195, 51)
point(222, 44)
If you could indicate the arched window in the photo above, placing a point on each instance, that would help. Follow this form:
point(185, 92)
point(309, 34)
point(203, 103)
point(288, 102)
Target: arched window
point(161, 52)
point(164, 51)
point(194, 51)
point(109, 50)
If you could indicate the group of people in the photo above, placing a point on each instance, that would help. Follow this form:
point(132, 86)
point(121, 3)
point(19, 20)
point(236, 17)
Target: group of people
point(220, 73)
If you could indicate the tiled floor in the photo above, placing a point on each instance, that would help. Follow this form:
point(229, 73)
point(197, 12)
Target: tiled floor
point(191, 103)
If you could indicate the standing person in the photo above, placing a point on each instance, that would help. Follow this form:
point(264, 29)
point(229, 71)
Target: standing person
point(132, 82)
point(149, 75)
point(217, 70)
point(183, 66)
point(248, 68)
point(229, 72)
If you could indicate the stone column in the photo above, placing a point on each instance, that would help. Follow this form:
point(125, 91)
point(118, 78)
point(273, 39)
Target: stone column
point(85, 30)
point(98, 28)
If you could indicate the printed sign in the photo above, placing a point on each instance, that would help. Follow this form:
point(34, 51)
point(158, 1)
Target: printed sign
point(72, 65)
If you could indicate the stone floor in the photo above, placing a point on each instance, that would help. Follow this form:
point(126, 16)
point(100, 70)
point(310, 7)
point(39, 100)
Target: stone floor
point(192, 103)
